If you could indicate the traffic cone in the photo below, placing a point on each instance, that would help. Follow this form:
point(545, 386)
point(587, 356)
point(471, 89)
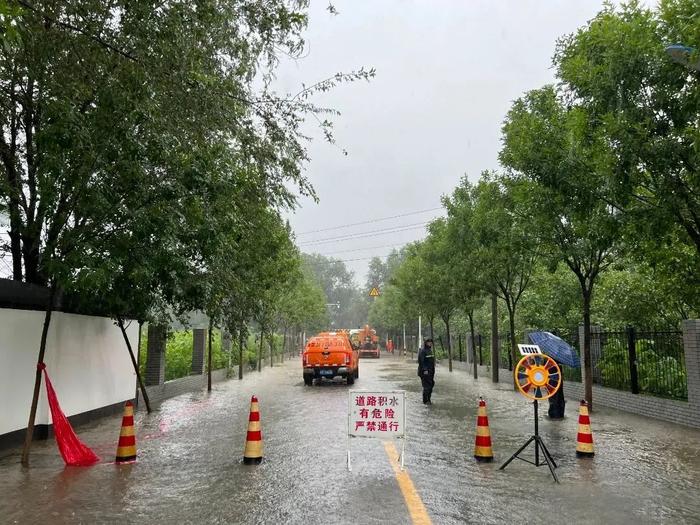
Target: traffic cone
point(253, 443)
point(126, 450)
point(584, 439)
point(482, 448)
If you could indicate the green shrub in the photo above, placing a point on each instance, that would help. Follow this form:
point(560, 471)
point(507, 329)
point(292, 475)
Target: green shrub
point(657, 374)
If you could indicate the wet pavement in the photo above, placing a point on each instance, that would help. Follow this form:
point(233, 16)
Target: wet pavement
point(189, 468)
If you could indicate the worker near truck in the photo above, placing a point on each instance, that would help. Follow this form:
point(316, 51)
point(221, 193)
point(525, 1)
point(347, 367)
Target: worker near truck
point(426, 370)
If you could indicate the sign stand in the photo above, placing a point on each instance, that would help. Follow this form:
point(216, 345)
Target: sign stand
point(539, 445)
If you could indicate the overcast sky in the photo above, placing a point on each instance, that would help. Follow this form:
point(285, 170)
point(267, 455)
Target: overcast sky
point(447, 72)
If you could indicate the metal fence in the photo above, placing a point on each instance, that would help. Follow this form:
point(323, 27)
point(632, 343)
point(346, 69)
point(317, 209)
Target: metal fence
point(648, 362)
point(640, 361)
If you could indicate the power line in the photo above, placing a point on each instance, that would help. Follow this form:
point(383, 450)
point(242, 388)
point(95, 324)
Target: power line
point(364, 258)
point(370, 221)
point(373, 233)
point(368, 248)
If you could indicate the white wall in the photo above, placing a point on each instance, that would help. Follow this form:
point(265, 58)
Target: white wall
point(86, 359)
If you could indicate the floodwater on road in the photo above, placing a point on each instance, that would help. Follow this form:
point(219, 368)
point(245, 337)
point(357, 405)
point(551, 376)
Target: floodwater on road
point(189, 468)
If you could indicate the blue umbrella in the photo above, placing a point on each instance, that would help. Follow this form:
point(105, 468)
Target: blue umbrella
point(556, 348)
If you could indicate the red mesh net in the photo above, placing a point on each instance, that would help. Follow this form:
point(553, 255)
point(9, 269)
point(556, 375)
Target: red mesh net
point(73, 451)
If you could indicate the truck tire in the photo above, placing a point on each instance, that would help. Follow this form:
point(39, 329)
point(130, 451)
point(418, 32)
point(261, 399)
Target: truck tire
point(308, 380)
point(351, 379)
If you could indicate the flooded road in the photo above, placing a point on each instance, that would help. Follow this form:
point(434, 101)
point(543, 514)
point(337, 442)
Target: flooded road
point(190, 471)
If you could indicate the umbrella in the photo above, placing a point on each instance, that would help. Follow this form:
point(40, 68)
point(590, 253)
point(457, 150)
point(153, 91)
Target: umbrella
point(556, 348)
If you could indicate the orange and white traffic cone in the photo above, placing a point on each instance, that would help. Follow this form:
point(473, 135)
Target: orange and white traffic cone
point(253, 453)
point(584, 439)
point(482, 448)
point(126, 449)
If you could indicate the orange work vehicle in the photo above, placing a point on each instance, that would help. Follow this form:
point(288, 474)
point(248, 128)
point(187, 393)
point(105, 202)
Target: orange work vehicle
point(329, 355)
point(366, 341)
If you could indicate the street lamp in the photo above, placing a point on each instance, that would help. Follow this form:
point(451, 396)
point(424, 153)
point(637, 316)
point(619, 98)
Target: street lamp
point(684, 55)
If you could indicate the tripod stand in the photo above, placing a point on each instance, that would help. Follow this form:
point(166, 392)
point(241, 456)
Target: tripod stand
point(539, 445)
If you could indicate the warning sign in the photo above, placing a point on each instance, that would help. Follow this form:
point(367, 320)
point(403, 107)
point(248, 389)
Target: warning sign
point(374, 292)
point(377, 414)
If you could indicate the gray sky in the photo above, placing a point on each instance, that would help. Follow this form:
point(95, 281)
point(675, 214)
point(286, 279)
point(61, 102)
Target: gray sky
point(447, 72)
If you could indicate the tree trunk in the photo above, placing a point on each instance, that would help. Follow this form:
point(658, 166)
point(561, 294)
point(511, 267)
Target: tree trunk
point(262, 336)
point(37, 379)
point(449, 343)
point(513, 341)
point(142, 387)
point(240, 352)
point(15, 243)
point(471, 329)
point(211, 329)
point(284, 342)
point(494, 338)
point(587, 365)
point(432, 335)
point(271, 343)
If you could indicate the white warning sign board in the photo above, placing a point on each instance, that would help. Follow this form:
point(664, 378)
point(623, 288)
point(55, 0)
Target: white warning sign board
point(377, 414)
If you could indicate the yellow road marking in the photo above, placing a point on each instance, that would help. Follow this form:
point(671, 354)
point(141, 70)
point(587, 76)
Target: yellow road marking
point(416, 509)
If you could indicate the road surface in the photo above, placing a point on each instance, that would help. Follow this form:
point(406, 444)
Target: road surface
point(189, 467)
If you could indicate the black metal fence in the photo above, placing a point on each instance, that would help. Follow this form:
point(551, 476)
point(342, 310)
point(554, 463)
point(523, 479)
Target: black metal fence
point(648, 362)
point(640, 361)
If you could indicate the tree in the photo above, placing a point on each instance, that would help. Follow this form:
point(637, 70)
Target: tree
point(119, 129)
point(466, 265)
point(413, 282)
point(339, 287)
point(440, 257)
point(505, 243)
point(645, 107)
point(561, 168)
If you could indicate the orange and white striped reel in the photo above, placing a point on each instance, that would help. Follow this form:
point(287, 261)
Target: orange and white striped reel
point(537, 376)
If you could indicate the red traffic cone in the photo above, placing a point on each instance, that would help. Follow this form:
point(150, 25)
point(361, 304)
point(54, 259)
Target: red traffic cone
point(126, 450)
point(253, 453)
point(482, 447)
point(584, 439)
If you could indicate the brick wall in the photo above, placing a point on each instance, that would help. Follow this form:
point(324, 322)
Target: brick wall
point(670, 410)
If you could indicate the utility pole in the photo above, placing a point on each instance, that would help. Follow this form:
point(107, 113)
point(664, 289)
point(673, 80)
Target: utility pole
point(404, 339)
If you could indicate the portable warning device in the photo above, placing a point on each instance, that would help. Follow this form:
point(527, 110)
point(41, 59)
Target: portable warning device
point(537, 376)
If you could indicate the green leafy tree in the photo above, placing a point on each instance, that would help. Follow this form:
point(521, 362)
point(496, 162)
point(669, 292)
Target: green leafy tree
point(506, 243)
point(466, 265)
point(561, 167)
point(645, 107)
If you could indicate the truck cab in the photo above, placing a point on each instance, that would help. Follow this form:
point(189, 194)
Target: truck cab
point(329, 355)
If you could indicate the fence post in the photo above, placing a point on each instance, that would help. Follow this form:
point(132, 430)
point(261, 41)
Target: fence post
point(155, 354)
point(691, 349)
point(632, 352)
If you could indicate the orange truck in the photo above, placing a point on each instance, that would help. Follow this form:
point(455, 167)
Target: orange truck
point(329, 355)
point(366, 341)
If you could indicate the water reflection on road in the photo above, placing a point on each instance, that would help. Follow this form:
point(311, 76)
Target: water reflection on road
point(189, 468)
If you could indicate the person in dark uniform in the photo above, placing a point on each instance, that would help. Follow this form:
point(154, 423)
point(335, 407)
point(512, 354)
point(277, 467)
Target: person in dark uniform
point(426, 370)
point(557, 403)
